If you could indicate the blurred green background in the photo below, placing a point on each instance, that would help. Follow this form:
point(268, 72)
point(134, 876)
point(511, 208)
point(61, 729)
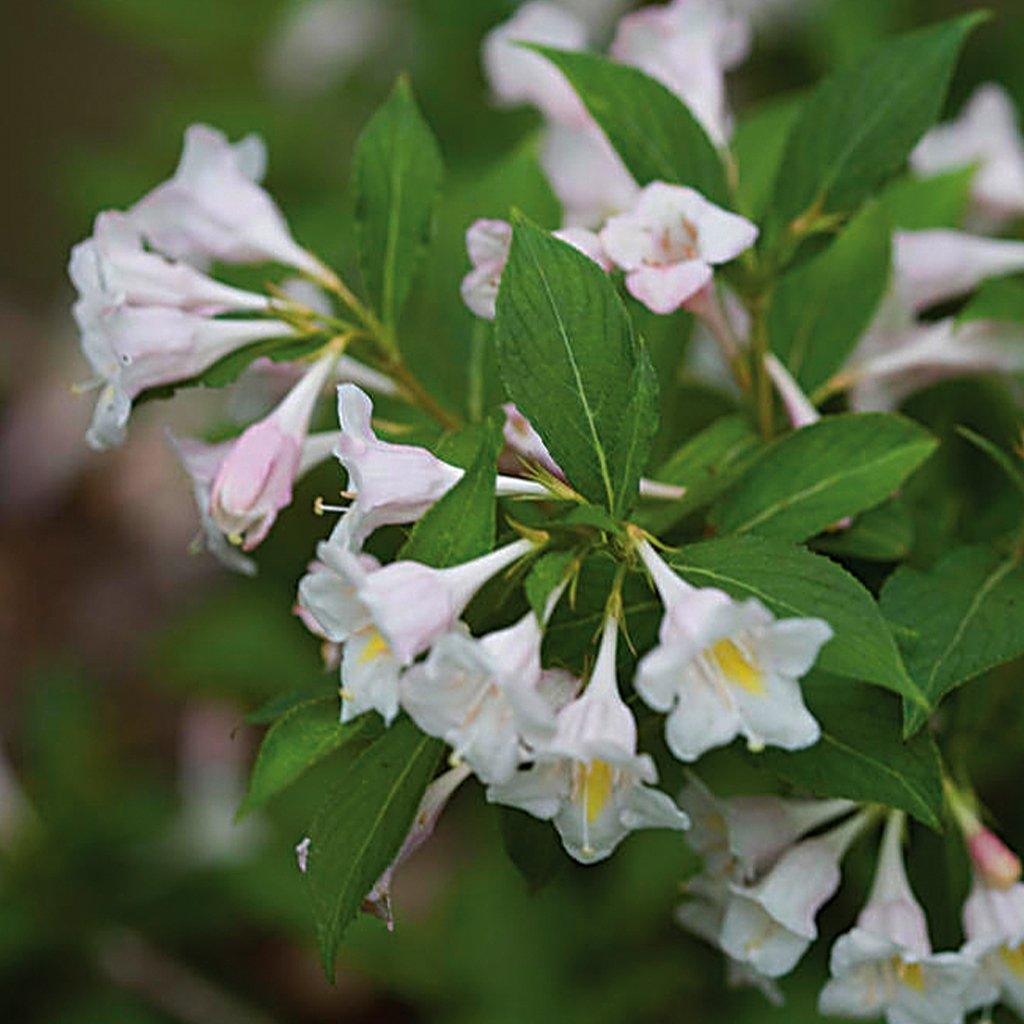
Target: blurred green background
point(128, 668)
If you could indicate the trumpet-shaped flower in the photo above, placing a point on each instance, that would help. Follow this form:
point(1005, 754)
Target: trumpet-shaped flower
point(987, 134)
point(993, 919)
point(481, 697)
point(670, 242)
point(589, 780)
point(885, 966)
point(213, 208)
point(488, 243)
point(518, 76)
point(254, 480)
point(688, 45)
point(771, 923)
point(725, 668)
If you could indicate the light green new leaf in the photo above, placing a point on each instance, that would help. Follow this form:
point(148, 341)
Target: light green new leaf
point(820, 309)
point(573, 364)
point(961, 618)
point(861, 754)
point(397, 174)
point(810, 479)
point(361, 825)
point(705, 465)
point(301, 738)
point(860, 124)
point(461, 525)
point(649, 126)
point(792, 581)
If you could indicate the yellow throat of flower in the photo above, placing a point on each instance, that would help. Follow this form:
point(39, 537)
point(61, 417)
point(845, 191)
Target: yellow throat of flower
point(1013, 958)
point(911, 975)
point(735, 667)
point(376, 646)
point(597, 788)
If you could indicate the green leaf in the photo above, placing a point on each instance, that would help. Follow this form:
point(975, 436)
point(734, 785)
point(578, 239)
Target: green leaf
point(815, 476)
point(792, 581)
point(546, 573)
point(397, 174)
point(1000, 299)
point(461, 525)
point(1011, 465)
point(301, 738)
point(649, 126)
point(360, 827)
point(861, 754)
point(921, 204)
point(705, 465)
point(957, 620)
point(882, 534)
point(820, 310)
point(757, 146)
point(532, 846)
point(860, 124)
point(573, 364)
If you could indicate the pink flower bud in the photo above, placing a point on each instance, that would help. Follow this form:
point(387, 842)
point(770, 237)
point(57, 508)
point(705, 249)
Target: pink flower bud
point(996, 863)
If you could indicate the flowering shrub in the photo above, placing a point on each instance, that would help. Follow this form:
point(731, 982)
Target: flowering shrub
point(560, 587)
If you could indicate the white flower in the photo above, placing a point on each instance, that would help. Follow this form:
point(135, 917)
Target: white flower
point(986, 133)
point(799, 410)
point(885, 965)
point(590, 780)
point(586, 174)
point(994, 925)
point(255, 477)
point(213, 209)
point(688, 45)
point(724, 668)
point(519, 76)
point(670, 241)
point(488, 243)
point(771, 923)
point(202, 463)
point(433, 802)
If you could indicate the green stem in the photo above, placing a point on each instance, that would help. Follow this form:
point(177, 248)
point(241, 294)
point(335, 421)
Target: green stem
point(763, 397)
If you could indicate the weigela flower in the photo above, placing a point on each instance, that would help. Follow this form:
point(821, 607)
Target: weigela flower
point(885, 966)
point(799, 410)
point(255, 477)
point(433, 802)
point(669, 243)
point(202, 462)
point(724, 668)
point(987, 134)
point(518, 76)
point(589, 780)
point(771, 923)
point(993, 919)
point(688, 45)
point(213, 208)
point(488, 243)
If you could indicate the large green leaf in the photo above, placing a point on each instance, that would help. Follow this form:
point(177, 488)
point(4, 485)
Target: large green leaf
point(361, 826)
point(705, 465)
point(573, 364)
point(882, 534)
point(860, 124)
point(301, 738)
point(461, 525)
point(397, 174)
point(792, 581)
point(650, 127)
point(757, 146)
point(959, 619)
point(820, 310)
point(1000, 299)
point(862, 755)
point(810, 479)
point(920, 204)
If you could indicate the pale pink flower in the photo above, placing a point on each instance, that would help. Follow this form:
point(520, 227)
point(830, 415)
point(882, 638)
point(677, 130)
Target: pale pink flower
point(993, 919)
point(670, 242)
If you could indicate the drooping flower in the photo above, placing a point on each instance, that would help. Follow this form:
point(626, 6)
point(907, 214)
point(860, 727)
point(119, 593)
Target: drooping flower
point(688, 45)
point(213, 208)
point(433, 802)
point(669, 243)
point(987, 134)
point(488, 243)
point(724, 668)
point(885, 966)
point(590, 781)
point(519, 76)
point(254, 479)
point(993, 919)
point(481, 696)
point(771, 923)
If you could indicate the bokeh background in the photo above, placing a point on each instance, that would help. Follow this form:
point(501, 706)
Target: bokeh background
point(130, 671)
